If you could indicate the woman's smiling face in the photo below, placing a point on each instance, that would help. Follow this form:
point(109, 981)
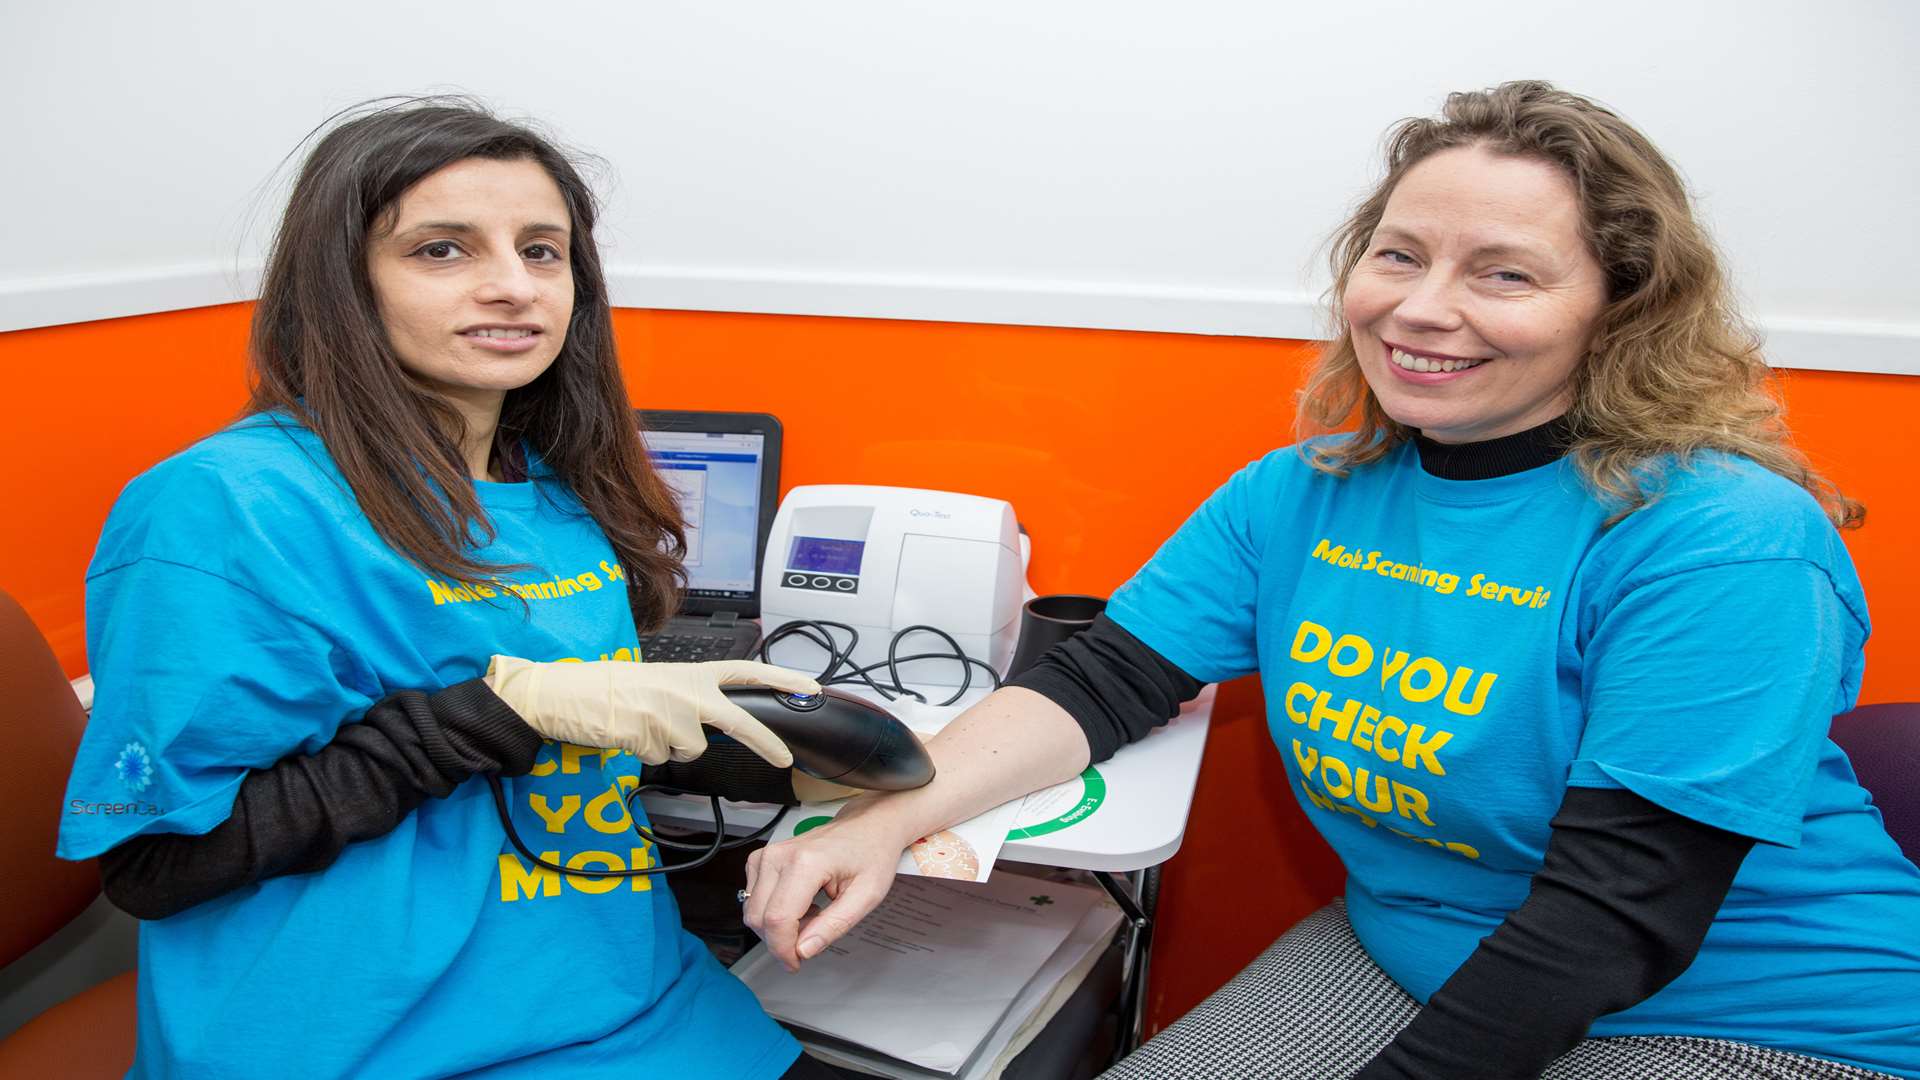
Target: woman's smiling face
point(1476, 298)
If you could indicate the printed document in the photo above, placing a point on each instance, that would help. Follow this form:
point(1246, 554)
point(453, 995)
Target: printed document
point(929, 975)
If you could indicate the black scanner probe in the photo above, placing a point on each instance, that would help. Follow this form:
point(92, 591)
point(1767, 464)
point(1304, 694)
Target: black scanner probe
point(833, 735)
point(840, 738)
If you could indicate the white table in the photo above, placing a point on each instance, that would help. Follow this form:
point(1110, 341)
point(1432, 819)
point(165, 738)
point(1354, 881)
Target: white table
point(1138, 824)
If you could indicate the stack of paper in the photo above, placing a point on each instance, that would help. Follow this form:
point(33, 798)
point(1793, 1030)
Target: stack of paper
point(941, 980)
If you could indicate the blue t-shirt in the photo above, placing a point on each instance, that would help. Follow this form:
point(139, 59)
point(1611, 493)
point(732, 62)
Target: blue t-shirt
point(1442, 659)
point(240, 608)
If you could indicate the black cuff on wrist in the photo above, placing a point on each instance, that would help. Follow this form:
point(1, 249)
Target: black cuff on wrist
point(480, 732)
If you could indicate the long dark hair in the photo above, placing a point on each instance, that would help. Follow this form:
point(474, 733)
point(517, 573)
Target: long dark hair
point(320, 352)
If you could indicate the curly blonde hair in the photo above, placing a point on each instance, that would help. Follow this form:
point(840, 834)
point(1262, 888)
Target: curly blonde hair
point(1672, 369)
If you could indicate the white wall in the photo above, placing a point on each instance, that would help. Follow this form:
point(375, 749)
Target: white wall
point(1108, 163)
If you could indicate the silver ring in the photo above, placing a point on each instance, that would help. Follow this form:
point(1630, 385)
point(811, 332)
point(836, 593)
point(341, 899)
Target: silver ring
point(741, 896)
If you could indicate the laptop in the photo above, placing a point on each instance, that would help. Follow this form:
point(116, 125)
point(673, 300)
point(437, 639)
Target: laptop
point(724, 467)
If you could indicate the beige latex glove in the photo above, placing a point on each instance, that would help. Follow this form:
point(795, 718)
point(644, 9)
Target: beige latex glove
point(652, 711)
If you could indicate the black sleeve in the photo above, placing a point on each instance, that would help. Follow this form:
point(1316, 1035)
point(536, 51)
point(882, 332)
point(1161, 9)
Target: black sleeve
point(1618, 911)
point(296, 816)
point(1112, 683)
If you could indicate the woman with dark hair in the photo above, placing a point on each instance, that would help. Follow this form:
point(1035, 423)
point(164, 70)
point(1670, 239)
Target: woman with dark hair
point(1551, 638)
point(420, 562)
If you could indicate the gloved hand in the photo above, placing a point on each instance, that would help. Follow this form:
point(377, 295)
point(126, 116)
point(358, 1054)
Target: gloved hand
point(652, 711)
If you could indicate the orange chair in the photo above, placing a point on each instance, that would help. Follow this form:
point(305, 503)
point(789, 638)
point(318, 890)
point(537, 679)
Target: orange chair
point(92, 1033)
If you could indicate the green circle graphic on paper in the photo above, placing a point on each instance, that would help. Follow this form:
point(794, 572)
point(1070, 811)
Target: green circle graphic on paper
point(1093, 792)
point(811, 824)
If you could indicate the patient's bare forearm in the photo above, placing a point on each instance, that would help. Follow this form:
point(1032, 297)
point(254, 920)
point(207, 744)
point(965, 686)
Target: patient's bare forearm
point(1013, 742)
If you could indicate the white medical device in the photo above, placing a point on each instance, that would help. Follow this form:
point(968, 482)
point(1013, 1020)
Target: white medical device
point(881, 559)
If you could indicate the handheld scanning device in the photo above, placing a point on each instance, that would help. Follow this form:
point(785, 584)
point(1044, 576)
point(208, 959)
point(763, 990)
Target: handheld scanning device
point(838, 737)
point(834, 736)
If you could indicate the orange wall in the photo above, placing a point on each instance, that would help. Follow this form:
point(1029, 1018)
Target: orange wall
point(1102, 440)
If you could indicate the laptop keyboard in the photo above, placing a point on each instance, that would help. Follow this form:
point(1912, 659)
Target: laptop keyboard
point(687, 648)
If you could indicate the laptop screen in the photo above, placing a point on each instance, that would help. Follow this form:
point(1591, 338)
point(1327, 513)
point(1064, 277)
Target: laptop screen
point(716, 476)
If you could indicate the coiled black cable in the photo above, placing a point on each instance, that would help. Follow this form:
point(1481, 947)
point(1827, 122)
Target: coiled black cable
point(821, 633)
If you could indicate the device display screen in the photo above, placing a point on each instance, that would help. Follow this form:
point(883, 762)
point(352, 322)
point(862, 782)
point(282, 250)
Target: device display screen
point(821, 555)
point(715, 476)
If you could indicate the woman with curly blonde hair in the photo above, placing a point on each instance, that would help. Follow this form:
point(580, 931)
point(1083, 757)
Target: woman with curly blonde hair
point(1671, 368)
point(1551, 641)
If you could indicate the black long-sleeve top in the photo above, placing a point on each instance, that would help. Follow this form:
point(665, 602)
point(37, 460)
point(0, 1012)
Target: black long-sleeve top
point(1618, 910)
point(296, 816)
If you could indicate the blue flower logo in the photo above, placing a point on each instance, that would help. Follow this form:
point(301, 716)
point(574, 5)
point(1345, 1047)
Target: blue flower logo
point(134, 768)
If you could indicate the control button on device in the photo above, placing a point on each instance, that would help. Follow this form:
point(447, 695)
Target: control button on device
point(803, 702)
point(796, 579)
point(821, 583)
point(845, 584)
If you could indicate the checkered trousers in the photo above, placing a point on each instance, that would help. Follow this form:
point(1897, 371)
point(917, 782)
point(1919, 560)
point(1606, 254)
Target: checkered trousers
point(1315, 1006)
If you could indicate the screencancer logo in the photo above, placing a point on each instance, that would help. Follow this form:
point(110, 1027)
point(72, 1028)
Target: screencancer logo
point(134, 768)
